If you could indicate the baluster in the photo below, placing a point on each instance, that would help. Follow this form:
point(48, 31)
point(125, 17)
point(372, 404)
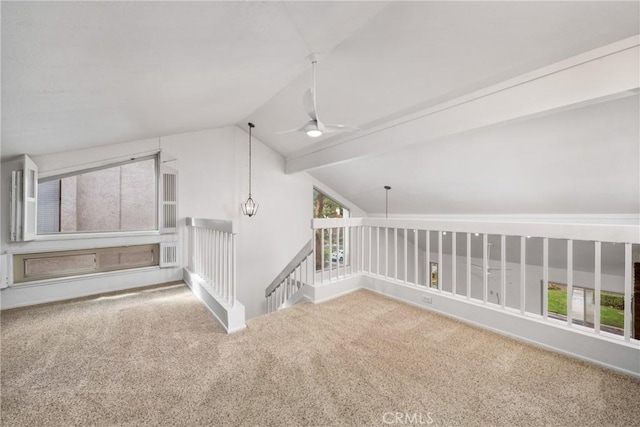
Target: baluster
point(415, 257)
point(628, 268)
point(322, 256)
point(485, 267)
point(330, 254)
point(454, 255)
point(386, 252)
point(396, 265)
point(569, 282)
point(440, 269)
point(370, 246)
point(523, 277)
point(545, 278)
point(468, 265)
point(503, 272)
point(598, 286)
point(427, 256)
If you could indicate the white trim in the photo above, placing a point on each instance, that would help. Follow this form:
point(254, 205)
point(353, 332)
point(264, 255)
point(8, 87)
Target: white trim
point(96, 164)
point(622, 219)
point(538, 325)
point(513, 336)
point(231, 318)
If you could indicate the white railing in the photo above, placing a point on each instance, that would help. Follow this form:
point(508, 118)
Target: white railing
point(342, 253)
point(212, 256)
point(505, 266)
point(295, 275)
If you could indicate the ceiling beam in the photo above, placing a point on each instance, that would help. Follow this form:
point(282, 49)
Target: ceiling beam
point(602, 74)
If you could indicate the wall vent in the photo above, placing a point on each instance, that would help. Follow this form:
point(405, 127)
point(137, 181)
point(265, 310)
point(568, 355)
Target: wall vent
point(169, 255)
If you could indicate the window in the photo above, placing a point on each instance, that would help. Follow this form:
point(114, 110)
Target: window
point(433, 267)
point(583, 307)
point(119, 197)
point(336, 240)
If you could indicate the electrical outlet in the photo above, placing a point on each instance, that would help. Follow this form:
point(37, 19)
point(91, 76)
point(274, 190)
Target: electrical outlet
point(427, 299)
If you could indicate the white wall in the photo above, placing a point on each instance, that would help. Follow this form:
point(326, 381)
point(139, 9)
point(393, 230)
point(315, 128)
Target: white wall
point(213, 182)
point(59, 289)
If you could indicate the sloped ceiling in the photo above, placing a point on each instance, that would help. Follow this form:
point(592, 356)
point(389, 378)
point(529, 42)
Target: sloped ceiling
point(80, 74)
point(585, 160)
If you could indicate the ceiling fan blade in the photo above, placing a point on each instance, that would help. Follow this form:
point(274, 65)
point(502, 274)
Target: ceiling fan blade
point(300, 129)
point(340, 128)
point(309, 103)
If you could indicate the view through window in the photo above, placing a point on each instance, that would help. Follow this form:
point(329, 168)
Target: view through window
point(335, 246)
point(583, 307)
point(117, 198)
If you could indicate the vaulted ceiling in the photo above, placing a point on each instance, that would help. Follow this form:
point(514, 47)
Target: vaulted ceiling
point(79, 74)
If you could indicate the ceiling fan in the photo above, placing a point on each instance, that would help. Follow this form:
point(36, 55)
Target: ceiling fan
point(314, 127)
point(488, 269)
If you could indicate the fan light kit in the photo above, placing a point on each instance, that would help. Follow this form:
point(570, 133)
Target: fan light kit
point(314, 127)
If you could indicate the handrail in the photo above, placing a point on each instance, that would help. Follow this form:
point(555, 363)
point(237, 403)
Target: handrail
point(224, 225)
point(615, 233)
point(294, 263)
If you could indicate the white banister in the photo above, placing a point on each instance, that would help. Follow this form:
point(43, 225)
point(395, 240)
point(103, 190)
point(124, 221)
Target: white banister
point(291, 278)
point(540, 270)
point(212, 256)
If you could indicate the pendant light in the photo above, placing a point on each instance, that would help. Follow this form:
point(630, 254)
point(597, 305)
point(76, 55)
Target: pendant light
point(249, 207)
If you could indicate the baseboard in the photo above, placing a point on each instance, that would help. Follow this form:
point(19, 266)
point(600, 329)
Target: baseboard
point(61, 289)
point(326, 292)
point(621, 357)
point(232, 319)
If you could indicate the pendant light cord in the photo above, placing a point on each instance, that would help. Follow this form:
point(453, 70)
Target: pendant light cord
point(251, 126)
point(386, 201)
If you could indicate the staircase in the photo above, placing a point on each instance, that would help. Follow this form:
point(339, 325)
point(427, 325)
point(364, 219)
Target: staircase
point(284, 290)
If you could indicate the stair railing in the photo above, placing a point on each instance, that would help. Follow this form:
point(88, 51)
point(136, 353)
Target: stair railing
point(297, 273)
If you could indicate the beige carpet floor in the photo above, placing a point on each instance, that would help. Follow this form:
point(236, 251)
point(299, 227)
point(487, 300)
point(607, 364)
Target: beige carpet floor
point(158, 358)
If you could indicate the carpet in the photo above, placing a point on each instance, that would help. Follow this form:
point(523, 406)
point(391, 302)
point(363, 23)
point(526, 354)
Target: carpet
point(157, 357)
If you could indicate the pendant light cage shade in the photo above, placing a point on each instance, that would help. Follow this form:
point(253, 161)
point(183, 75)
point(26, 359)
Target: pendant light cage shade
point(249, 207)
